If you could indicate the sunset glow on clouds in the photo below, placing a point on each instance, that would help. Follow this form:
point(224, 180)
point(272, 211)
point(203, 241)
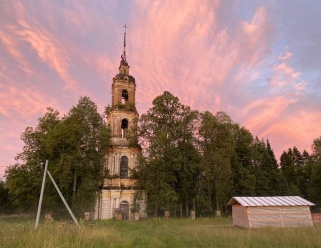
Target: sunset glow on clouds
point(259, 61)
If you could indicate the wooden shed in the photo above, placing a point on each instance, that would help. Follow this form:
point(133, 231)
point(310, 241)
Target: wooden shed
point(276, 211)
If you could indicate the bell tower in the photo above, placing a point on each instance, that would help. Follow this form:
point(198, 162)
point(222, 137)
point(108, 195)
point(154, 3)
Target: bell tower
point(119, 192)
point(123, 112)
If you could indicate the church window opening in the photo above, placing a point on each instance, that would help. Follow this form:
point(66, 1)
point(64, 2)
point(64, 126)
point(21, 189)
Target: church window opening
point(124, 128)
point(124, 167)
point(114, 166)
point(124, 97)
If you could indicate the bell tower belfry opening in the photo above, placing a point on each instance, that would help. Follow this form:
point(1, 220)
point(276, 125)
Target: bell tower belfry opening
point(122, 155)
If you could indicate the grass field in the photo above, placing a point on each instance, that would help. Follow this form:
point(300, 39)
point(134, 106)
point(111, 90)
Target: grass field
point(203, 232)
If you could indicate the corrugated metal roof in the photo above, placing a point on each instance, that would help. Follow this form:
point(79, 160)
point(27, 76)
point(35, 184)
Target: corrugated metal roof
point(269, 201)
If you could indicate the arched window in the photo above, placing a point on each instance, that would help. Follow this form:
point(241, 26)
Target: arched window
point(124, 128)
point(124, 96)
point(124, 167)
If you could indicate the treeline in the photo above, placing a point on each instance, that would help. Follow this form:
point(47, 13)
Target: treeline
point(191, 160)
point(199, 160)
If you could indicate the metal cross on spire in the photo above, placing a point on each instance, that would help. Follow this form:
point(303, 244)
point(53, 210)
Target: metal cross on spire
point(125, 26)
point(123, 56)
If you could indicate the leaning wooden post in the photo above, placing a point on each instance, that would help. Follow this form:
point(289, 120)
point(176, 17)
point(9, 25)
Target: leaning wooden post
point(41, 194)
point(63, 199)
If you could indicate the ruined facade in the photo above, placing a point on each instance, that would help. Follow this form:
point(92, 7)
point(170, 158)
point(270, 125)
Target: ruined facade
point(120, 193)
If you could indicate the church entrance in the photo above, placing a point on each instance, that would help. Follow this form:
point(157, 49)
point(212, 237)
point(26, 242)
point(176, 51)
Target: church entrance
point(124, 209)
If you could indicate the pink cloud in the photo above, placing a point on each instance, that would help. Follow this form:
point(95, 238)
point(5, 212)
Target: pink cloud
point(285, 69)
point(300, 86)
point(272, 119)
point(11, 47)
point(49, 51)
point(257, 36)
point(297, 129)
point(285, 75)
point(261, 113)
point(22, 102)
point(180, 57)
point(46, 45)
point(285, 56)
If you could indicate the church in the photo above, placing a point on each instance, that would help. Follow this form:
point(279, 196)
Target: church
point(120, 195)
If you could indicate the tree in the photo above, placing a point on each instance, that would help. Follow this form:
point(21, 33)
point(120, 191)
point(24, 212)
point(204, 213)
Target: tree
point(166, 169)
point(269, 180)
point(289, 164)
point(75, 146)
point(5, 204)
point(296, 169)
point(314, 192)
point(24, 178)
point(216, 144)
point(186, 186)
point(88, 143)
point(243, 179)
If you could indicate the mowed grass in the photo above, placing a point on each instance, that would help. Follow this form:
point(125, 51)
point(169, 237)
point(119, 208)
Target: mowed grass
point(202, 232)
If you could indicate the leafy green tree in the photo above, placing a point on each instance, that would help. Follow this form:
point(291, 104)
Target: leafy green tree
point(24, 178)
point(157, 167)
point(5, 204)
point(88, 143)
point(170, 158)
point(186, 185)
point(216, 144)
point(75, 147)
point(24, 181)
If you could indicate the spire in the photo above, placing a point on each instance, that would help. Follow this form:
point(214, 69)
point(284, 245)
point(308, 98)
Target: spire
point(123, 56)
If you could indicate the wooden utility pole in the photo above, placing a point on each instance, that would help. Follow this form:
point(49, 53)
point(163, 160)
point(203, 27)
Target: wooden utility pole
point(41, 194)
point(61, 196)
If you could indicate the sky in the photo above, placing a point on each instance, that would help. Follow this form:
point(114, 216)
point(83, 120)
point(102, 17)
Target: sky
point(258, 61)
